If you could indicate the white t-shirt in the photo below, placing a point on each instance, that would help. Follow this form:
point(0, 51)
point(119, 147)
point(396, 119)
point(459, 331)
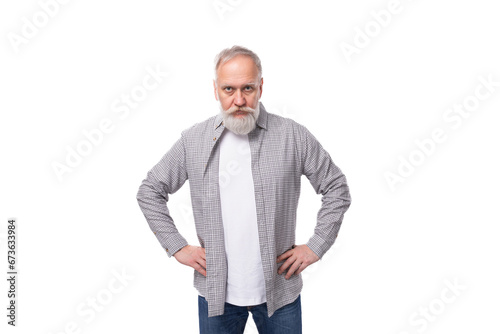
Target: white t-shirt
point(245, 281)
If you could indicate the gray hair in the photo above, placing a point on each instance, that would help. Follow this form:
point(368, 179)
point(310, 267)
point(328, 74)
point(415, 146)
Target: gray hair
point(227, 54)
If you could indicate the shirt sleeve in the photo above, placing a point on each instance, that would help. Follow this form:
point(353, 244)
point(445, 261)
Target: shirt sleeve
point(329, 181)
point(165, 178)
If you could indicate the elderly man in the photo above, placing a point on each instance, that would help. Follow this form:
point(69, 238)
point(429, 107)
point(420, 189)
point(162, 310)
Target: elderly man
point(244, 167)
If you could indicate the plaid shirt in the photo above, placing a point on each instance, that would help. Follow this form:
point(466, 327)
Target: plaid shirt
point(282, 150)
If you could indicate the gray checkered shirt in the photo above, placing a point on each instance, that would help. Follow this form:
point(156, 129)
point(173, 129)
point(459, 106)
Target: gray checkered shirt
point(282, 150)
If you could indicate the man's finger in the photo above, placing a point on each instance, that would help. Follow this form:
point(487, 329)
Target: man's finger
point(301, 268)
point(200, 269)
point(287, 264)
point(285, 255)
point(292, 269)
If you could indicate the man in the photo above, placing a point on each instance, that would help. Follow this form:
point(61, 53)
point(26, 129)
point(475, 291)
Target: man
point(244, 167)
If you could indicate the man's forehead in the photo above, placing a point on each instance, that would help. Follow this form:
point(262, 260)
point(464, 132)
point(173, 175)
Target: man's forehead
point(239, 66)
point(238, 78)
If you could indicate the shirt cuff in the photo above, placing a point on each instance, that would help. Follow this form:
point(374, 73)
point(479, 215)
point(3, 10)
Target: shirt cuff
point(175, 242)
point(318, 245)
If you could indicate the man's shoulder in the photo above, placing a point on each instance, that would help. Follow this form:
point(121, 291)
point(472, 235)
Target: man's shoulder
point(284, 124)
point(276, 119)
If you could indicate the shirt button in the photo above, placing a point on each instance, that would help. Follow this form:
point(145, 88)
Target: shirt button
point(215, 138)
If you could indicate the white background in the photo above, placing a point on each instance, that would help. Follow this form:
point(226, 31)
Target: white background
point(396, 249)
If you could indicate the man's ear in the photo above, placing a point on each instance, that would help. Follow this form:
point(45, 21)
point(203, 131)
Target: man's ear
point(260, 86)
point(215, 91)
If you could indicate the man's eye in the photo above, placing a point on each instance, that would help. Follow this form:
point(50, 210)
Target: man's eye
point(248, 87)
point(227, 89)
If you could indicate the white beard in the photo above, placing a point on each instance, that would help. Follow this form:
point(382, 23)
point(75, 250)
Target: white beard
point(240, 125)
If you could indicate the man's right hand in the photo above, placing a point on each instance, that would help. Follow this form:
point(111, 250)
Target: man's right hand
point(193, 256)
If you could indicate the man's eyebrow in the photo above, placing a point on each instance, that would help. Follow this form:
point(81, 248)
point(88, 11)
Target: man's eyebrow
point(252, 84)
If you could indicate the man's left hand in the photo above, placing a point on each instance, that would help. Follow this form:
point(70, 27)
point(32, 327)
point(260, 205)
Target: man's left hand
point(298, 259)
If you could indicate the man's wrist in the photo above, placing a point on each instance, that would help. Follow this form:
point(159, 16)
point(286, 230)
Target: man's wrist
point(175, 245)
point(177, 251)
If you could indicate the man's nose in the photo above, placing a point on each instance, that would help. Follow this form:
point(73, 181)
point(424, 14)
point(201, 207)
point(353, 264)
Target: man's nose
point(239, 99)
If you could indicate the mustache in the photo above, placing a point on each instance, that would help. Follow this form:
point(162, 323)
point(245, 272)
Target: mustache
point(235, 109)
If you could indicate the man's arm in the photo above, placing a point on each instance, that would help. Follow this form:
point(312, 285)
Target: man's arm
point(165, 178)
point(327, 180)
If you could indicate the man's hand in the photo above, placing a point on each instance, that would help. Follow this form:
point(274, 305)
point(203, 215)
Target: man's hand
point(193, 256)
point(299, 258)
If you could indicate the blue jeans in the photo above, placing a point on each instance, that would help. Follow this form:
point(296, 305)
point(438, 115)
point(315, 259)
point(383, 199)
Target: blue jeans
point(286, 319)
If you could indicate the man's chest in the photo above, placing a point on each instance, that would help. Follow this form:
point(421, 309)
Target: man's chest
point(272, 157)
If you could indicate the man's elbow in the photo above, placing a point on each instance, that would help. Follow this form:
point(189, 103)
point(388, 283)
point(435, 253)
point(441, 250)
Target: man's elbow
point(142, 192)
point(345, 193)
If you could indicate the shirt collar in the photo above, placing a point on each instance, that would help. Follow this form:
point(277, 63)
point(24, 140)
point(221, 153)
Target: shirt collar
point(261, 121)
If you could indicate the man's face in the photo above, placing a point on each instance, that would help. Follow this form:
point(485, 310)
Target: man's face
point(238, 91)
